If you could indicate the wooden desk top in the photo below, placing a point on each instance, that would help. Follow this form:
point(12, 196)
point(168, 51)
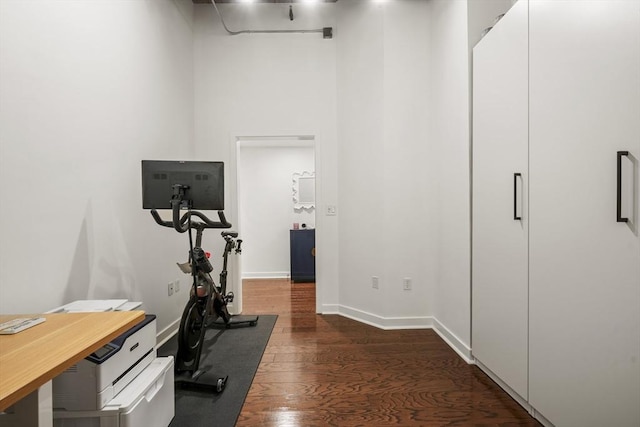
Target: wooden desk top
point(34, 356)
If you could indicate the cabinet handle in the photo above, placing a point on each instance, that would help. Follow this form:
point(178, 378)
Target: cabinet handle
point(619, 216)
point(515, 197)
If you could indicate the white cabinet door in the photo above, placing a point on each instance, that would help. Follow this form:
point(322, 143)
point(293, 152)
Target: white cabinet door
point(500, 135)
point(584, 357)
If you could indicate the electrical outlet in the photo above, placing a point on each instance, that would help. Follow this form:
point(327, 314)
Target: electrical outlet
point(170, 288)
point(331, 210)
point(406, 283)
point(375, 282)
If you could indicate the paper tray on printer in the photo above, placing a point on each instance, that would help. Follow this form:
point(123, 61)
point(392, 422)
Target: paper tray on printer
point(147, 401)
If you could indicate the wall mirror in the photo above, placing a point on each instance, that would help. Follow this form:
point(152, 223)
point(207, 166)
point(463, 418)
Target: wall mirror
point(304, 190)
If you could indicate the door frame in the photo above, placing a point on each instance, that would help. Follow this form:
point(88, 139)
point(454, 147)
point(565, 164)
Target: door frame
point(235, 142)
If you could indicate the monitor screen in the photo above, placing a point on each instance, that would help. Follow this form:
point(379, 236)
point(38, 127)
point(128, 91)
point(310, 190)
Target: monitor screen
point(204, 182)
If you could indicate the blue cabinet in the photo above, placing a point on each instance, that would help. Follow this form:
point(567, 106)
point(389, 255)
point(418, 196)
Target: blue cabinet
point(303, 252)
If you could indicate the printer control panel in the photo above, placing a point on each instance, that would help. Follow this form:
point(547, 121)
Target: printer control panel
point(102, 353)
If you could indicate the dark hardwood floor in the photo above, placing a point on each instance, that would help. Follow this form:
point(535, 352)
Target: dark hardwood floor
point(327, 370)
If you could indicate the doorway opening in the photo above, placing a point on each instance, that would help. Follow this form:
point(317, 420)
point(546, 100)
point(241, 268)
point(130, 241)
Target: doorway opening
point(276, 202)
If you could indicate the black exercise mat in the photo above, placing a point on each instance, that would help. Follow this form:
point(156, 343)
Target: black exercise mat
point(235, 352)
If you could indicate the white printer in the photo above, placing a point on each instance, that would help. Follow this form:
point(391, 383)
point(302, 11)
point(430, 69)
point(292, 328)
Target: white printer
point(90, 305)
point(147, 401)
point(91, 383)
point(121, 384)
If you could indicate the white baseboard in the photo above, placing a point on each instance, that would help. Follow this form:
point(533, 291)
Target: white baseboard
point(231, 308)
point(386, 323)
point(417, 322)
point(454, 342)
point(330, 309)
point(519, 399)
point(538, 416)
point(511, 392)
point(267, 275)
point(164, 335)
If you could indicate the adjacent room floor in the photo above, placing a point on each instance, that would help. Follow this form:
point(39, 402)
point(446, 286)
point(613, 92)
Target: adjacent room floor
point(327, 370)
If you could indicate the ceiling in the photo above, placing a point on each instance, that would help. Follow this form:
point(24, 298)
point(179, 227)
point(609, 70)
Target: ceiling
point(261, 1)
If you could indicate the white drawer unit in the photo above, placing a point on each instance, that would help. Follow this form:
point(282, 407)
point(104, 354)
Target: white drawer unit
point(147, 401)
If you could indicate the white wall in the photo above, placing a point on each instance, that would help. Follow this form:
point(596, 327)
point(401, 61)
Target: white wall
point(88, 90)
point(403, 151)
point(265, 171)
point(271, 85)
point(91, 88)
point(386, 175)
point(449, 73)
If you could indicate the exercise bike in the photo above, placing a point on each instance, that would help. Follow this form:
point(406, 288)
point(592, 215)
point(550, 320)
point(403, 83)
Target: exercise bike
point(232, 244)
point(207, 304)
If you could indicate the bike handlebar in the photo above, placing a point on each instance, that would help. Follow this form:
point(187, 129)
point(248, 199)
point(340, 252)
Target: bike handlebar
point(182, 224)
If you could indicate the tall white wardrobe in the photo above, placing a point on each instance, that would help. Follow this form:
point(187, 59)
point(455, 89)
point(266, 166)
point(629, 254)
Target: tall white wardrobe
point(556, 247)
